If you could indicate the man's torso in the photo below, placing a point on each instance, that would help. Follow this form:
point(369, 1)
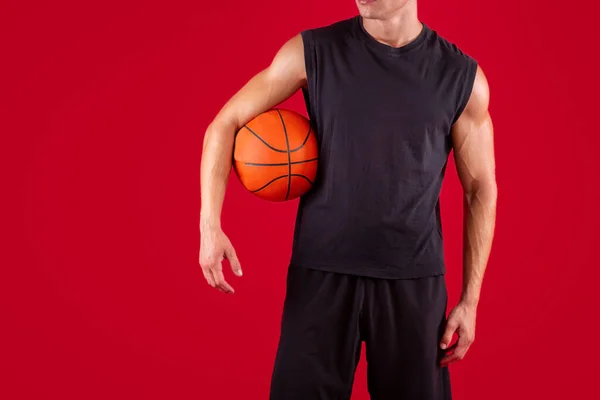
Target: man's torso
point(383, 118)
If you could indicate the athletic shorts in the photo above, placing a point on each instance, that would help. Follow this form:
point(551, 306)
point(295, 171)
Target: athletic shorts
point(326, 318)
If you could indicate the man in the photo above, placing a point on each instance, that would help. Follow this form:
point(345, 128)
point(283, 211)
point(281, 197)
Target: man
point(389, 98)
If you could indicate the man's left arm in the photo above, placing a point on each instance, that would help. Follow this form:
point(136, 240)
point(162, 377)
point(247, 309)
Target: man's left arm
point(473, 144)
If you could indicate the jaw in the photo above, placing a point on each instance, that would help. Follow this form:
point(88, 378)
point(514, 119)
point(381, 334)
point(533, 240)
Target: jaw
point(382, 10)
point(369, 10)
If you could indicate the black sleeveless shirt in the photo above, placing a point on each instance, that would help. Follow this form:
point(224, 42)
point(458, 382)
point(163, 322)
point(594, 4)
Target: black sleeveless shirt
point(383, 117)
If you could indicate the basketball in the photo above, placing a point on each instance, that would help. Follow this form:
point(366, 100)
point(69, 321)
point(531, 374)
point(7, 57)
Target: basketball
point(276, 155)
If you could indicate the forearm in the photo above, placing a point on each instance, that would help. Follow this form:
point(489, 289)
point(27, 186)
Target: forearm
point(478, 232)
point(214, 171)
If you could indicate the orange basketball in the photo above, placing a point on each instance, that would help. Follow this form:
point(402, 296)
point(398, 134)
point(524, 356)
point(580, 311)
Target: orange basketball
point(275, 155)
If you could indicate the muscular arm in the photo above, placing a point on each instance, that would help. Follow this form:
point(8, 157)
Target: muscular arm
point(472, 137)
point(282, 78)
point(473, 142)
point(271, 86)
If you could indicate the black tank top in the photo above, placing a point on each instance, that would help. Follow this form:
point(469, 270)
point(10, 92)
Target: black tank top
point(383, 117)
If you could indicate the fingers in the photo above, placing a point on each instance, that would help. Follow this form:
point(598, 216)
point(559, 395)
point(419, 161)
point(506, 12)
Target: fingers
point(220, 281)
point(233, 261)
point(451, 327)
point(213, 274)
point(209, 277)
point(458, 351)
point(214, 247)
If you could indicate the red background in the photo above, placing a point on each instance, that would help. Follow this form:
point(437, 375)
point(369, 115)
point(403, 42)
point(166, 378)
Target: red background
point(102, 116)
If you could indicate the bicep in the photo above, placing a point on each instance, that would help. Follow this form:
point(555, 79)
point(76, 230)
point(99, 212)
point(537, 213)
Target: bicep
point(473, 139)
point(271, 86)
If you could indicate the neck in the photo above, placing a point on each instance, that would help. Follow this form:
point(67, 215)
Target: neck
point(397, 29)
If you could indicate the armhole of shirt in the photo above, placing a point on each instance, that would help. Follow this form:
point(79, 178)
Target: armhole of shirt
point(310, 64)
point(466, 88)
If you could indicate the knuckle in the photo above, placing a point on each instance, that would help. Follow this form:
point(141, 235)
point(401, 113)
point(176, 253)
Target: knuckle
point(206, 269)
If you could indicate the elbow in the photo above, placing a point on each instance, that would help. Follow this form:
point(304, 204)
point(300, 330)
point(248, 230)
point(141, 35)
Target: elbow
point(219, 131)
point(207, 135)
point(484, 191)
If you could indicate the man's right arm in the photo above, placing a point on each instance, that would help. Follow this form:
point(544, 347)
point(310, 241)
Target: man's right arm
point(280, 80)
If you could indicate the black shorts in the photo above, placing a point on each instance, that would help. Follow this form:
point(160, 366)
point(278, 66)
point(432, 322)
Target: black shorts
point(327, 316)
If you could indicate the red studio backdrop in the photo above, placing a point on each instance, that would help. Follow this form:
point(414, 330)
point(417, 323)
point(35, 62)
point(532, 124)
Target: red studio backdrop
point(103, 111)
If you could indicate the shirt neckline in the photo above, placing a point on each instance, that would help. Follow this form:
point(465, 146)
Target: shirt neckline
point(385, 48)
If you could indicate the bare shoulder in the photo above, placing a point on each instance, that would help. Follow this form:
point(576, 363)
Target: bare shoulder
point(289, 60)
point(477, 106)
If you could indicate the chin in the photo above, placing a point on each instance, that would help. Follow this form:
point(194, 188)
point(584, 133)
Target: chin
point(368, 10)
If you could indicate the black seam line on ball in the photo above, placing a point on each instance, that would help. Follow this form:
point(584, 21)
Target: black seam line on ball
point(304, 177)
point(305, 140)
point(268, 183)
point(280, 164)
point(287, 143)
point(263, 140)
point(280, 177)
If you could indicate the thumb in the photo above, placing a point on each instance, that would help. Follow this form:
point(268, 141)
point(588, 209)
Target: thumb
point(447, 337)
point(233, 261)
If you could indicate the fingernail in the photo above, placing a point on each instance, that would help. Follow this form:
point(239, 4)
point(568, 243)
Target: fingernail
point(443, 346)
point(239, 272)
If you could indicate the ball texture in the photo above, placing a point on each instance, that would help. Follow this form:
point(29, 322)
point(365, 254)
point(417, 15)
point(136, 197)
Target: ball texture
point(276, 155)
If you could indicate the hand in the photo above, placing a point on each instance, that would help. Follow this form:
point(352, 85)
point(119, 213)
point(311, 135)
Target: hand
point(462, 321)
point(215, 246)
